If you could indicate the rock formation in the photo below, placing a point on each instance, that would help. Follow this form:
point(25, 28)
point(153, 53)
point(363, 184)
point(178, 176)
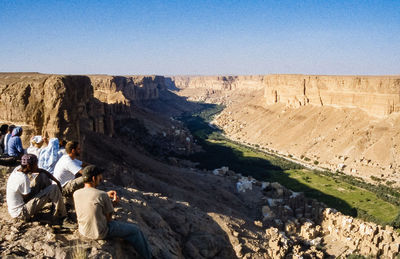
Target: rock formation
point(377, 96)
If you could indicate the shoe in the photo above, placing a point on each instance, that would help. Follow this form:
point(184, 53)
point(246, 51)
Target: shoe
point(69, 224)
point(64, 222)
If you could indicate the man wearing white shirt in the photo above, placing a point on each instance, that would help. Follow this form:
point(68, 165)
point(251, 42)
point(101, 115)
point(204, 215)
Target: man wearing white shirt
point(68, 169)
point(22, 202)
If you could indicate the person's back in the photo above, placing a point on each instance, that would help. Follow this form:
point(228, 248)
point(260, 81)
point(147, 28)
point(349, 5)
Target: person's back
point(23, 201)
point(94, 210)
point(66, 168)
point(15, 144)
point(49, 156)
point(7, 138)
point(91, 207)
point(3, 132)
point(18, 184)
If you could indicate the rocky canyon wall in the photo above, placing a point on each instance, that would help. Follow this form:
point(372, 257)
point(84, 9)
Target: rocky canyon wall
point(62, 106)
point(219, 82)
point(378, 96)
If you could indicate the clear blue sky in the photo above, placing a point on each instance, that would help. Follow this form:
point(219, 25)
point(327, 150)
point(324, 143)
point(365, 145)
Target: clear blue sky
point(200, 37)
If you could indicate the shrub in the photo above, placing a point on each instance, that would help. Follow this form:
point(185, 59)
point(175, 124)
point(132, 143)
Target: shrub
point(316, 162)
point(376, 178)
point(389, 183)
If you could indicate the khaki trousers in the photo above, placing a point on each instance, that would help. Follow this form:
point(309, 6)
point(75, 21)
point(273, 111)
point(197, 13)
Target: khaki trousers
point(50, 194)
point(72, 186)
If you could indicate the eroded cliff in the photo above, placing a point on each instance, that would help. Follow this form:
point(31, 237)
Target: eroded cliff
point(378, 96)
point(64, 106)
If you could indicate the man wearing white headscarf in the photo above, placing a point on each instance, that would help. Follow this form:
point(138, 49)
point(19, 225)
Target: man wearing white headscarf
point(35, 147)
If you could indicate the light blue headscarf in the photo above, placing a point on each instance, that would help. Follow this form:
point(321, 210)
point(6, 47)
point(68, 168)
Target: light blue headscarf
point(48, 156)
point(17, 131)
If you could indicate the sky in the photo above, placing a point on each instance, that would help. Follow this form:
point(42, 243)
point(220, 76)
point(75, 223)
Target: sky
point(200, 37)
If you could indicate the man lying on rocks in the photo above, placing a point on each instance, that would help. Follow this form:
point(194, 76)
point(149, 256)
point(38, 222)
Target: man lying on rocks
point(68, 169)
point(94, 210)
point(24, 202)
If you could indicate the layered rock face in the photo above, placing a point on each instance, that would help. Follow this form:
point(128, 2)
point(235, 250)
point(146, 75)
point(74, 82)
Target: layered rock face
point(119, 89)
point(63, 106)
point(219, 82)
point(378, 96)
point(215, 89)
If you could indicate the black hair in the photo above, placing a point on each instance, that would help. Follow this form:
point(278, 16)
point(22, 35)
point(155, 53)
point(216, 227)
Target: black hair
point(4, 128)
point(11, 127)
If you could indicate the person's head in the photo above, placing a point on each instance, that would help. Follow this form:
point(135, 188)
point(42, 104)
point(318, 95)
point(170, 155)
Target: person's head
point(17, 131)
point(11, 128)
point(73, 148)
point(29, 163)
point(92, 175)
point(62, 143)
point(3, 129)
point(37, 141)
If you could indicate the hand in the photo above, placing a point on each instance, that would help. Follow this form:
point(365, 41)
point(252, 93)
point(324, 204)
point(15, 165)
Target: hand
point(113, 196)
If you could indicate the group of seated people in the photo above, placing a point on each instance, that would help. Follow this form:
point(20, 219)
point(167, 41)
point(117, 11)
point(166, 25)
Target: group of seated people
point(47, 151)
point(47, 175)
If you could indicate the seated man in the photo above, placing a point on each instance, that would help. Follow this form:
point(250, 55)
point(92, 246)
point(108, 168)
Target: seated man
point(21, 201)
point(68, 169)
point(94, 211)
point(3, 132)
point(36, 145)
point(15, 148)
point(49, 156)
point(7, 138)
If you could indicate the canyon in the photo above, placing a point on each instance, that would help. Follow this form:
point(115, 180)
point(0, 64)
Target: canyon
point(126, 125)
point(345, 123)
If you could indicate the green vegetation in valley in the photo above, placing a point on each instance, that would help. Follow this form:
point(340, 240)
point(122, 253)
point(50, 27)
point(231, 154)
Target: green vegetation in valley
point(351, 196)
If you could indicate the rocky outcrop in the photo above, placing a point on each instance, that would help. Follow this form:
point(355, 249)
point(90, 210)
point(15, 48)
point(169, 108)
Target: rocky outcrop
point(121, 89)
point(364, 237)
point(297, 227)
point(65, 106)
